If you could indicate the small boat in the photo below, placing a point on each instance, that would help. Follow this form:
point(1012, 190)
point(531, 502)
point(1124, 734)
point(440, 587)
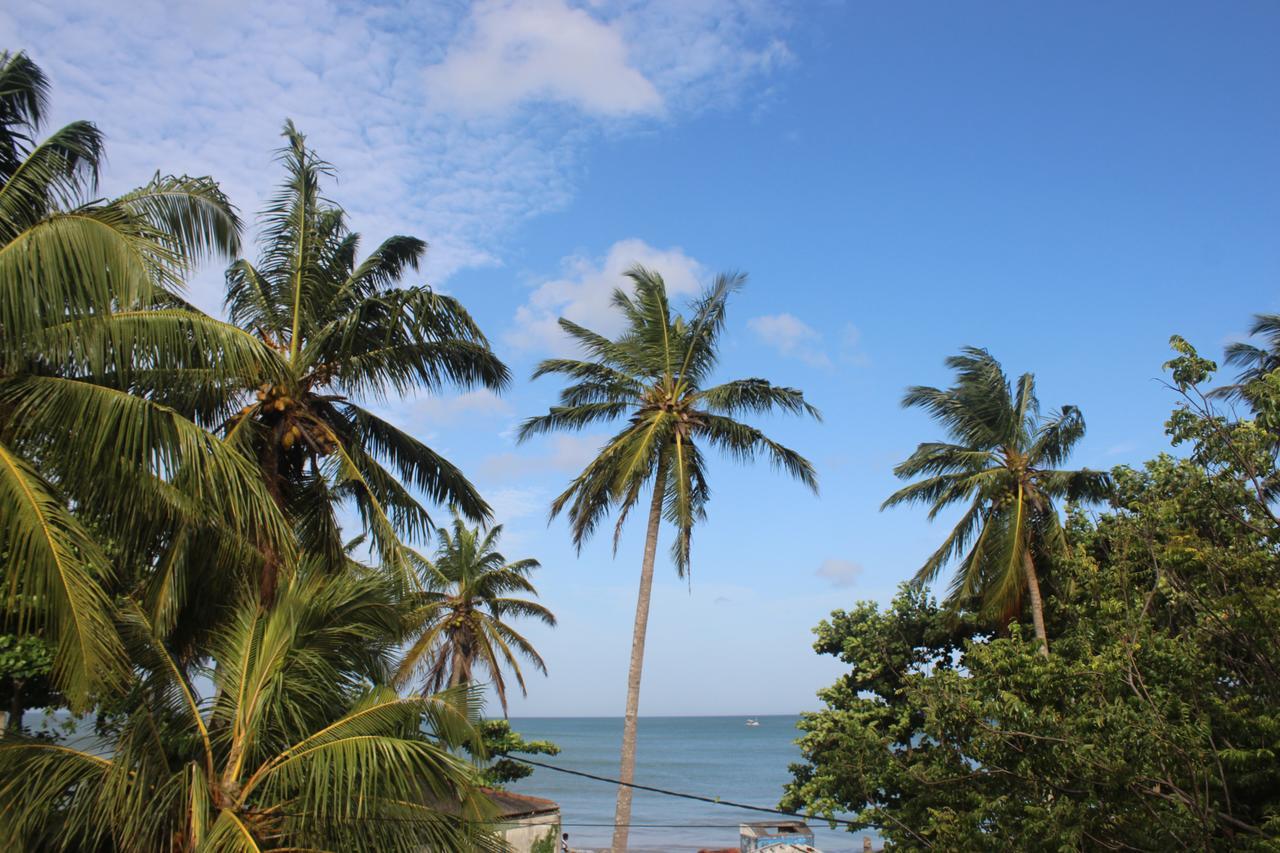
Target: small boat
point(752, 721)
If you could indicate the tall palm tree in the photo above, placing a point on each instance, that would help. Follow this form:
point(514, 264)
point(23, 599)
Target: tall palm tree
point(341, 330)
point(1002, 461)
point(89, 300)
point(302, 744)
point(462, 618)
point(657, 374)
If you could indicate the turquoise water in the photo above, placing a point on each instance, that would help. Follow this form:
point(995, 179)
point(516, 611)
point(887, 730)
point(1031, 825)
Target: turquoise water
point(711, 756)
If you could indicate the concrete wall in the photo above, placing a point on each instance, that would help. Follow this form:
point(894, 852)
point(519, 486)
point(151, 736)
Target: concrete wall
point(537, 834)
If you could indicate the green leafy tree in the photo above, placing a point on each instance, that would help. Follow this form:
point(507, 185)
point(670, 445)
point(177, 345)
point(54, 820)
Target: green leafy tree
point(499, 742)
point(1002, 462)
point(26, 664)
point(1153, 726)
point(460, 622)
point(657, 374)
point(340, 330)
point(89, 306)
point(302, 745)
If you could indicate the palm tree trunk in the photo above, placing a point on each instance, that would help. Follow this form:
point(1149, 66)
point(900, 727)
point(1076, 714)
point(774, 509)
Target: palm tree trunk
point(1037, 605)
point(627, 772)
point(460, 671)
point(13, 715)
point(269, 459)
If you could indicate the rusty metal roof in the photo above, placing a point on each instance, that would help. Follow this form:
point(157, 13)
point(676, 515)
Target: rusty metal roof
point(513, 805)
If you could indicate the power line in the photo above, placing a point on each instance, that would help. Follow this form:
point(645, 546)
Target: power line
point(716, 801)
point(493, 821)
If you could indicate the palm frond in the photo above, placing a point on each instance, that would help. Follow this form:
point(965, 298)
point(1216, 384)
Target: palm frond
point(24, 99)
point(701, 351)
point(417, 464)
point(1084, 485)
point(57, 574)
point(55, 175)
point(746, 442)
point(94, 429)
point(1056, 436)
point(758, 397)
point(35, 774)
point(570, 418)
point(191, 217)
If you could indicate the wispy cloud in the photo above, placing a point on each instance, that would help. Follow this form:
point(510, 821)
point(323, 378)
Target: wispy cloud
point(562, 454)
point(453, 123)
point(839, 573)
point(450, 409)
point(791, 337)
point(512, 503)
point(851, 351)
point(583, 293)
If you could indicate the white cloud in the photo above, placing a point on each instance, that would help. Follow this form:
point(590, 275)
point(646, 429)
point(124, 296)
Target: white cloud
point(851, 351)
point(204, 88)
point(512, 503)
point(583, 293)
point(520, 50)
point(790, 336)
point(429, 412)
point(568, 454)
point(840, 573)
point(705, 51)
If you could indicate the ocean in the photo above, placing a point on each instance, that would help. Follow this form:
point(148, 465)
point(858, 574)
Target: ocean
point(710, 756)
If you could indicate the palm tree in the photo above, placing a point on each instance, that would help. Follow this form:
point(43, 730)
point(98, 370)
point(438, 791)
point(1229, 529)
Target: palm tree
point(1001, 461)
point(1254, 361)
point(338, 330)
point(461, 620)
point(89, 300)
point(656, 375)
point(302, 744)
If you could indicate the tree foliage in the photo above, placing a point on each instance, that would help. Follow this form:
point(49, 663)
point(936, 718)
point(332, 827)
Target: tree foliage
point(169, 484)
point(460, 623)
point(1002, 462)
point(500, 741)
point(335, 331)
point(300, 745)
point(1154, 725)
point(657, 374)
point(82, 284)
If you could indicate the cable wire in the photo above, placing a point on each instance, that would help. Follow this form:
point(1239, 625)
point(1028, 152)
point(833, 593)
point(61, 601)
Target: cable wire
point(716, 801)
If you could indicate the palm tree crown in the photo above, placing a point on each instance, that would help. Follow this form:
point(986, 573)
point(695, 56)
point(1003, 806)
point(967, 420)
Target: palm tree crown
point(89, 308)
point(463, 617)
point(1002, 461)
point(1254, 361)
point(303, 744)
point(655, 374)
point(340, 329)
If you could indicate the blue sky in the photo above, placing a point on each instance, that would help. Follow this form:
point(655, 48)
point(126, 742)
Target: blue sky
point(1066, 185)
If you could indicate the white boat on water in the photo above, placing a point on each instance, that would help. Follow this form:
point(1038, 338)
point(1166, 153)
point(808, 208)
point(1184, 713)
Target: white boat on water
point(752, 721)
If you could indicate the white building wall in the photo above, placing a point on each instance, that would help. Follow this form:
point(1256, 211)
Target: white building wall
point(537, 834)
